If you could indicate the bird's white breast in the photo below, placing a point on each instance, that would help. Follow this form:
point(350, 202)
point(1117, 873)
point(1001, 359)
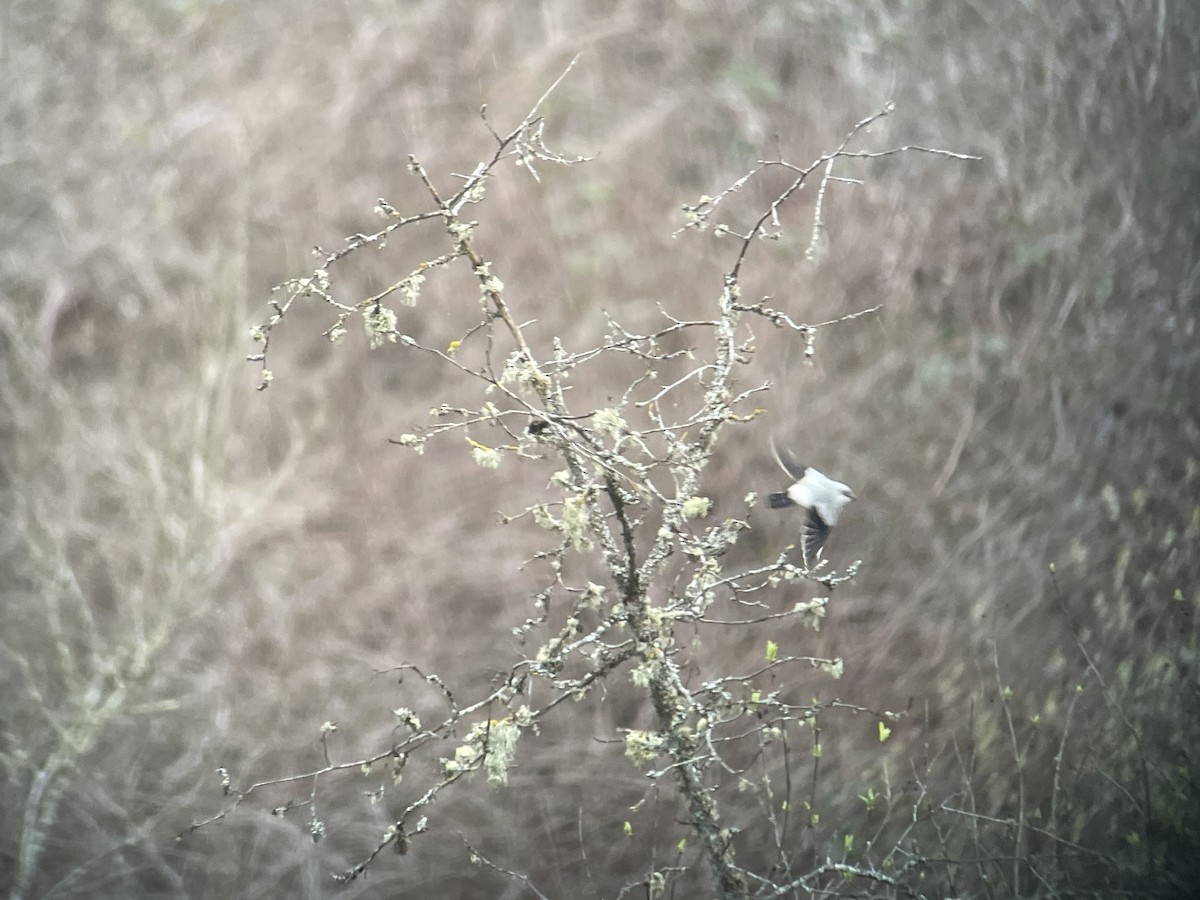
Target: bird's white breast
point(821, 494)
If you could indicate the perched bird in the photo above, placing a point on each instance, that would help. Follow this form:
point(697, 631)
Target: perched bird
point(821, 496)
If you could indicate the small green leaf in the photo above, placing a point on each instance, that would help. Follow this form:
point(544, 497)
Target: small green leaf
point(772, 651)
point(884, 732)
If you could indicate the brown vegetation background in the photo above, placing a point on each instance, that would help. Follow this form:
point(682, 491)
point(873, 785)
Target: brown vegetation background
point(198, 575)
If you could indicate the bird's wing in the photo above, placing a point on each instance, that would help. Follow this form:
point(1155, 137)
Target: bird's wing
point(787, 462)
point(829, 497)
point(816, 531)
point(828, 507)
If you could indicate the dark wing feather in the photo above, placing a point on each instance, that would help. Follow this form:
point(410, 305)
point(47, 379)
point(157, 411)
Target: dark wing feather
point(815, 534)
point(787, 462)
point(779, 501)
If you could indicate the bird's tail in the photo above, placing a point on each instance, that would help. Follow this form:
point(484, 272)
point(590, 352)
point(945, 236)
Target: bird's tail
point(779, 501)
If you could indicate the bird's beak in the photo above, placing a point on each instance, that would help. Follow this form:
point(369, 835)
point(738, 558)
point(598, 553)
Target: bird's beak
point(853, 496)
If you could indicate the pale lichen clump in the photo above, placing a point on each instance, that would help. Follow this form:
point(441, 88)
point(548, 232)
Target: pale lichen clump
point(519, 370)
point(575, 522)
point(484, 456)
point(643, 746)
point(834, 667)
point(380, 325)
point(491, 745)
point(609, 422)
point(410, 288)
point(811, 612)
point(573, 525)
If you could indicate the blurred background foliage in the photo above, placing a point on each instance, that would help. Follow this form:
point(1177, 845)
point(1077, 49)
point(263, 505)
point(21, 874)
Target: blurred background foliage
point(195, 574)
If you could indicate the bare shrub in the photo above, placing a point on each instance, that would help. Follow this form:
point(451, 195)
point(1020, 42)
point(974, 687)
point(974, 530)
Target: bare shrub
point(623, 461)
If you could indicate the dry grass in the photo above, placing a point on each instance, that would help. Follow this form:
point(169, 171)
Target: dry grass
point(198, 575)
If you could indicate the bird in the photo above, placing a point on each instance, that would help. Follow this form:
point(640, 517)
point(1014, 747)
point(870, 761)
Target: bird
point(818, 494)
